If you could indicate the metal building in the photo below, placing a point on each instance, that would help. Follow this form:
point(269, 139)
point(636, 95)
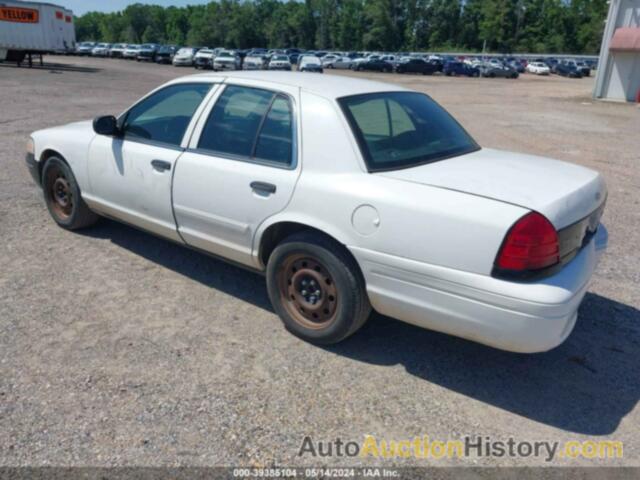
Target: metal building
point(618, 75)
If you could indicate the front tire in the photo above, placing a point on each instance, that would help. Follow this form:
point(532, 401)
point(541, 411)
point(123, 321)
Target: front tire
point(62, 196)
point(317, 289)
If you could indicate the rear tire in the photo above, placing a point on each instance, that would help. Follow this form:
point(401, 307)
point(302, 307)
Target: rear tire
point(317, 289)
point(62, 196)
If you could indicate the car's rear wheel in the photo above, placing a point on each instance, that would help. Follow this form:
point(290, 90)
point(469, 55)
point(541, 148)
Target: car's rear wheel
point(62, 196)
point(317, 289)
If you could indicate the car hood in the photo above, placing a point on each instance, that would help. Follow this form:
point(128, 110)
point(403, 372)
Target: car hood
point(563, 192)
point(81, 127)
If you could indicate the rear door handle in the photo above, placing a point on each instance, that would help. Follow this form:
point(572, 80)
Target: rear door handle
point(161, 164)
point(263, 187)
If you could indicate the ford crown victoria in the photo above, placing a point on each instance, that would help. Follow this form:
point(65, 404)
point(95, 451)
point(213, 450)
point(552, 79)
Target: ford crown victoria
point(349, 195)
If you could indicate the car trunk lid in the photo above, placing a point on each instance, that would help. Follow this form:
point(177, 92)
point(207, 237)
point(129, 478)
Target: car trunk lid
point(563, 192)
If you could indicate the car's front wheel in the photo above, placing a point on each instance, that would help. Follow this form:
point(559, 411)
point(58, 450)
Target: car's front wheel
point(62, 196)
point(317, 289)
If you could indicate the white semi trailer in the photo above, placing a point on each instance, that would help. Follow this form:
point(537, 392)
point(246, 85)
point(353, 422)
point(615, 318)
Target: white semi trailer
point(28, 28)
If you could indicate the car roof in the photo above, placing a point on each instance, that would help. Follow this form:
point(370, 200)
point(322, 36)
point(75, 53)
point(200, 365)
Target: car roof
point(328, 86)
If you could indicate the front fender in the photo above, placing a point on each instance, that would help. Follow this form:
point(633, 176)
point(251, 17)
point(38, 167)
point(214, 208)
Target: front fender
point(69, 141)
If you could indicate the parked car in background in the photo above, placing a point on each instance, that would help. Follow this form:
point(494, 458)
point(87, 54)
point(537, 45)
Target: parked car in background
point(227, 60)
point(131, 52)
point(491, 70)
point(203, 59)
point(417, 221)
point(552, 63)
point(583, 67)
point(147, 52)
point(117, 49)
point(309, 63)
point(374, 65)
point(538, 68)
point(184, 57)
point(392, 59)
point(460, 68)
point(568, 68)
point(329, 59)
point(166, 53)
point(364, 58)
point(341, 63)
point(516, 65)
point(416, 65)
point(280, 62)
point(85, 48)
point(101, 50)
point(253, 62)
point(438, 62)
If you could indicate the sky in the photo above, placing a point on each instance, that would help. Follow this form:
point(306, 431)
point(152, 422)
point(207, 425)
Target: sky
point(80, 7)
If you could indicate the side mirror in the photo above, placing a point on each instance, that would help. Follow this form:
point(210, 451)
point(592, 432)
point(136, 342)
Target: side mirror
point(106, 125)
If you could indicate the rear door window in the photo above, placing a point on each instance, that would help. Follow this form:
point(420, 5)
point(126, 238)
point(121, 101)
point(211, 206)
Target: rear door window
point(251, 123)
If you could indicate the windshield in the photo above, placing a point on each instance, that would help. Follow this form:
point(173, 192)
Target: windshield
point(404, 129)
point(281, 58)
point(311, 60)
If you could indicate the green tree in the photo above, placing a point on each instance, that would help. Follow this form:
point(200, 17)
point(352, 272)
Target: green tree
point(389, 25)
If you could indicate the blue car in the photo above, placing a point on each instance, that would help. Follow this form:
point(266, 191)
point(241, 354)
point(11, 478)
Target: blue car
point(460, 68)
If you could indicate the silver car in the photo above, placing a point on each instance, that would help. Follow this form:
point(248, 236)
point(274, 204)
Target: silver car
point(226, 61)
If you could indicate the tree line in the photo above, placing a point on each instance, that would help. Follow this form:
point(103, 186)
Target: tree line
point(536, 26)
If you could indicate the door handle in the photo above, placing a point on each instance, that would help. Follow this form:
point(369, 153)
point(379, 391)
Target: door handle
point(263, 187)
point(161, 164)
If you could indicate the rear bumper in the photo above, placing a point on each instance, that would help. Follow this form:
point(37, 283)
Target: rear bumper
point(32, 166)
point(515, 316)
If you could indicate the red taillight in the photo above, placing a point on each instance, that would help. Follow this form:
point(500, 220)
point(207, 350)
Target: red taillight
point(531, 244)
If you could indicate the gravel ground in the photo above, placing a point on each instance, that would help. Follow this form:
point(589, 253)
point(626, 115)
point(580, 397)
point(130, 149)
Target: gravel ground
point(119, 348)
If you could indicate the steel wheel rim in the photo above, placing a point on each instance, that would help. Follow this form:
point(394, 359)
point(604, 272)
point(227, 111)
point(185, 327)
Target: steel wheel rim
point(308, 291)
point(59, 193)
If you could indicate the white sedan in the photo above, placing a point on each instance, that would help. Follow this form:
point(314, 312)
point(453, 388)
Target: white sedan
point(538, 68)
point(349, 195)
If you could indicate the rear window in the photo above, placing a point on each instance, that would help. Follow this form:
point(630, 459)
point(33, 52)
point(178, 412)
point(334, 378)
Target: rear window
point(404, 129)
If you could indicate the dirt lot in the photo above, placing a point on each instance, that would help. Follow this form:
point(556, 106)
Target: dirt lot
point(118, 348)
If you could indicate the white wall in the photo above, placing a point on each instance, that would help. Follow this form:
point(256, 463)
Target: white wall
point(618, 76)
point(624, 81)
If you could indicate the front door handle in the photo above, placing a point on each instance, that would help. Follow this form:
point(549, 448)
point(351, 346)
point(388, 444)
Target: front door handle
point(263, 187)
point(161, 164)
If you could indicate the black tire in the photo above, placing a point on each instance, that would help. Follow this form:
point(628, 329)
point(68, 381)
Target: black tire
point(305, 257)
point(62, 196)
